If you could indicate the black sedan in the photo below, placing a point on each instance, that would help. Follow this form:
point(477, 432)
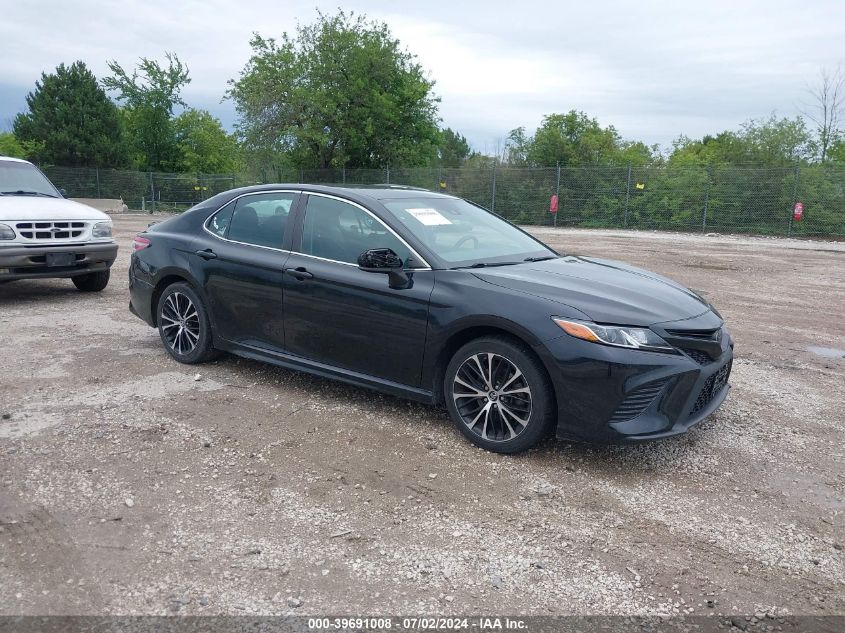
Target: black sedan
point(430, 297)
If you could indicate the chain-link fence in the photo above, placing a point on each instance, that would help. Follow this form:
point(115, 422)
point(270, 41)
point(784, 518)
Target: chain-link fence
point(718, 199)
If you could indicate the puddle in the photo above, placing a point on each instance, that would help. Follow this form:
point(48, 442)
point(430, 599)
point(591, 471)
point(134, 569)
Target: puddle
point(826, 352)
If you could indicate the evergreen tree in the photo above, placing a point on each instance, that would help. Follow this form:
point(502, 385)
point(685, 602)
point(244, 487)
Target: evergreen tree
point(71, 121)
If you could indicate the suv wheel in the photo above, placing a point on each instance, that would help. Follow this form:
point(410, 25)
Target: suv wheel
point(498, 395)
point(92, 282)
point(183, 325)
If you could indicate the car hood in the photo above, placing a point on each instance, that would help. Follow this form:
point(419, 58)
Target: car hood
point(607, 291)
point(40, 208)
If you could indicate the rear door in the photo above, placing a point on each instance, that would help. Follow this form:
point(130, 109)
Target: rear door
point(242, 252)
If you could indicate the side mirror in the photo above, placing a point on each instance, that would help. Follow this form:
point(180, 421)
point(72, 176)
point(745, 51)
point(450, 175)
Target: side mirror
point(384, 260)
point(63, 192)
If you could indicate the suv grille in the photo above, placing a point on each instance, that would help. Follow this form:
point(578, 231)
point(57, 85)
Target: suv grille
point(50, 230)
point(712, 388)
point(637, 401)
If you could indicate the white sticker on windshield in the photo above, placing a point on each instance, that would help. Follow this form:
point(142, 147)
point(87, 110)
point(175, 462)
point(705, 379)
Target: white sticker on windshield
point(429, 217)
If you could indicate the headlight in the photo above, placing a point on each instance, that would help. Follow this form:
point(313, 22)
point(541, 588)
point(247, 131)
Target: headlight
point(101, 229)
point(6, 232)
point(619, 336)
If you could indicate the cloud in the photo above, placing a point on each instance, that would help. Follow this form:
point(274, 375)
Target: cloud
point(654, 69)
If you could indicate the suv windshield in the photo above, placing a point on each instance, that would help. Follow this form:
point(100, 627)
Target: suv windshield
point(24, 179)
point(463, 234)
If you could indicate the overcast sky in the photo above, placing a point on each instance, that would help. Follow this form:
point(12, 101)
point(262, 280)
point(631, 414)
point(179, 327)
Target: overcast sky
point(653, 69)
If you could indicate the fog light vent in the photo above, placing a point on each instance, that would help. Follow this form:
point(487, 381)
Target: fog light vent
point(638, 401)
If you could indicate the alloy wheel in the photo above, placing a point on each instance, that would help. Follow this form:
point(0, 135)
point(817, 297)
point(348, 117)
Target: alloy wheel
point(180, 323)
point(492, 396)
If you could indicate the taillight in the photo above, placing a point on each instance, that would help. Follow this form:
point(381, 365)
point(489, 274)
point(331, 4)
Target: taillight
point(140, 243)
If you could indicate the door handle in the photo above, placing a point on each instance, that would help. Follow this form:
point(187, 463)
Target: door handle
point(207, 254)
point(299, 273)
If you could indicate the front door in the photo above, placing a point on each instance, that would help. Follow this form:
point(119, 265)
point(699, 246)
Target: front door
point(243, 254)
point(345, 317)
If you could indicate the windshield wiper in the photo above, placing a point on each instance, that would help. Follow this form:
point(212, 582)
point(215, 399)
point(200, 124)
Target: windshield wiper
point(23, 192)
point(487, 265)
point(540, 259)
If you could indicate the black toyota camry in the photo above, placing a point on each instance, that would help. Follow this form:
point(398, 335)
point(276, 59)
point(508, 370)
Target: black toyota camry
point(430, 297)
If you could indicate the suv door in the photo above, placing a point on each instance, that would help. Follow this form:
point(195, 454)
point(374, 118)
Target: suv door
point(339, 315)
point(242, 253)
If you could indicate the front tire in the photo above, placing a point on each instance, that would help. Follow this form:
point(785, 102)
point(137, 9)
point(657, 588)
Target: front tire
point(499, 395)
point(92, 282)
point(183, 325)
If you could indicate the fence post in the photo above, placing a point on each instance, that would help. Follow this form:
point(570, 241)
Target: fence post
point(707, 196)
point(152, 194)
point(794, 197)
point(627, 196)
point(301, 175)
point(343, 171)
point(97, 172)
point(388, 174)
point(493, 201)
point(557, 195)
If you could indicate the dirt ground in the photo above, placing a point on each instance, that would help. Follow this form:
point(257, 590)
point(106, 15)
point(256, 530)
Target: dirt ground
point(130, 484)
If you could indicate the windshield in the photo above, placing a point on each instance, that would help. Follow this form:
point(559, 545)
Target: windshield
point(24, 179)
point(463, 234)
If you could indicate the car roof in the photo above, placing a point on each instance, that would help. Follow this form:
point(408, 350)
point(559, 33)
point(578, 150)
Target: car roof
point(373, 192)
point(14, 160)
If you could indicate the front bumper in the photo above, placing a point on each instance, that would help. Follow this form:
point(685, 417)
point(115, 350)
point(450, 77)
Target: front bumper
point(30, 262)
point(611, 395)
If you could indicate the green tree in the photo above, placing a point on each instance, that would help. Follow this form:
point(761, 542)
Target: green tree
point(771, 142)
point(516, 147)
point(637, 154)
point(150, 95)
point(11, 146)
point(340, 91)
point(204, 145)
point(71, 121)
point(837, 152)
point(453, 149)
point(573, 140)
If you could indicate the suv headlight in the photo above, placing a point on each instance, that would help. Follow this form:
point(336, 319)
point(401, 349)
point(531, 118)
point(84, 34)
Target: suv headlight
point(101, 229)
point(616, 335)
point(6, 232)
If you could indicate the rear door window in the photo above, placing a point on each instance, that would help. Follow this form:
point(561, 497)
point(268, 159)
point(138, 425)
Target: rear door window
point(261, 219)
point(219, 222)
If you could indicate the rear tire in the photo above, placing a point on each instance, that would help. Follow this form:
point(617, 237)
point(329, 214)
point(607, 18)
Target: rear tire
point(92, 282)
point(183, 325)
point(499, 395)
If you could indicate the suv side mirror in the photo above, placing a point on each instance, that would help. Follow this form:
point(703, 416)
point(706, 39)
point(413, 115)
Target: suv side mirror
point(384, 260)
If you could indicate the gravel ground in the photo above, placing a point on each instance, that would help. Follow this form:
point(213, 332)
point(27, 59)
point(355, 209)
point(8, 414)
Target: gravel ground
point(135, 485)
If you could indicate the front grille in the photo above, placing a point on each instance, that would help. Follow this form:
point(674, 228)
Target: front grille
point(703, 335)
point(50, 230)
point(702, 358)
point(712, 387)
point(637, 401)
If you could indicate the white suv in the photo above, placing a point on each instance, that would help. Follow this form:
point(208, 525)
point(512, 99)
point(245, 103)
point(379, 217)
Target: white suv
point(42, 235)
